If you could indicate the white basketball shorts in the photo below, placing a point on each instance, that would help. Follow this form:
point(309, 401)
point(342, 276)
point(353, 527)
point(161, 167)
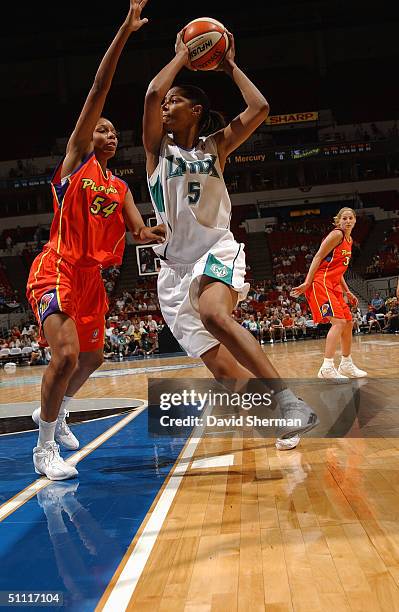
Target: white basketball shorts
point(178, 287)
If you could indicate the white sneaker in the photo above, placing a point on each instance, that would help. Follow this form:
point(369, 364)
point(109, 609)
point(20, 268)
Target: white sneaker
point(351, 371)
point(295, 411)
point(63, 435)
point(48, 462)
point(287, 443)
point(331, 372)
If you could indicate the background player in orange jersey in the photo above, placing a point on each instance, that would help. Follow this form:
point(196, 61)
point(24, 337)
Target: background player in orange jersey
point(65, 288)
point(324, 288)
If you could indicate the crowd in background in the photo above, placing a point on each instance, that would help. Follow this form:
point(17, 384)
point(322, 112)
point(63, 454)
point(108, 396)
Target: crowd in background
point(268, 313)
point(386, 260)
point(134, 320)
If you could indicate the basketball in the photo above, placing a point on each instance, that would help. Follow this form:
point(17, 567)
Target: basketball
point(207, 42)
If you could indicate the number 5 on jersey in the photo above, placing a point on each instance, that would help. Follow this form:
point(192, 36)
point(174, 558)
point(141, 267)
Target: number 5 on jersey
point(194, 192)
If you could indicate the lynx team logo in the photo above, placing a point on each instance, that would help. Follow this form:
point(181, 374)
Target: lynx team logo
point(219, 271)
point(45, 303)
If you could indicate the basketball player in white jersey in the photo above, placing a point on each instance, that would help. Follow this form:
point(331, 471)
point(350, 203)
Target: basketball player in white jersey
point(203, 267)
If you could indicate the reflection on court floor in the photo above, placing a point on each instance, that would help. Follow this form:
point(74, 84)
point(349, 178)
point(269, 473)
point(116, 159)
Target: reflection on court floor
point(71, 536)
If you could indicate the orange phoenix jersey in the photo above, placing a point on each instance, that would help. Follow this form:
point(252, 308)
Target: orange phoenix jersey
point(334, 266)
point(325, 296)
point(88, 226)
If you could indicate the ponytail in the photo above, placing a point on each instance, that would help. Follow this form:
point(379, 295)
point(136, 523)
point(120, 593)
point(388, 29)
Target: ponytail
point(211, 121)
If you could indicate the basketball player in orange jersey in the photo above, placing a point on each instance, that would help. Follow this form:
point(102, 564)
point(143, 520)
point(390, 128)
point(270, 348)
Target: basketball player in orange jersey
point(65, 287)
point(202, 266)
point(324, 289)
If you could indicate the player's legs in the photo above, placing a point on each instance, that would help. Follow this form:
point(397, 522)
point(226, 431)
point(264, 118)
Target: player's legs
point(91, 304)
point(216, 302)
point(61, 335)
point(88, 362)
point(226, 370)
point(334, 336)
point(327, 369)
point(346, 339)
point(347, 367)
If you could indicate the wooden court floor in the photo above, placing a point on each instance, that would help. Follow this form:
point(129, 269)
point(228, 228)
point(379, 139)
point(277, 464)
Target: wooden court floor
point(314, 528)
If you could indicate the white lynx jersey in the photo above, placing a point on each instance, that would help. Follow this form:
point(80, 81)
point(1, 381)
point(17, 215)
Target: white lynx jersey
point(189, 195)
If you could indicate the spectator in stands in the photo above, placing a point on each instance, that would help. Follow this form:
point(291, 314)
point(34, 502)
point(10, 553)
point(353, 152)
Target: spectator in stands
point(253, 327)
point(300, 325)
point(371, 319)
point(392, 317)
point(390, 301)
point(37, 358)
point(151, 324)
point(264, 327)
point(152, 341)
point(136, 341)
point(245, 320)
point(288, 323)
point(277, 329)
point(120, 304)
point(378, 304)
point(108, 352)
point(357, 319)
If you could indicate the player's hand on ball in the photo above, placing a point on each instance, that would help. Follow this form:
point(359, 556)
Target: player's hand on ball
point(297, 291)
point(133, 19)
point(153, 234)
point(181, 48)
point(228, 59)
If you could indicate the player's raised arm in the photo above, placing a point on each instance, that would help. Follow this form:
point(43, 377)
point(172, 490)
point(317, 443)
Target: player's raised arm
point(152, 120)
point(80, 142)
point(240, 128)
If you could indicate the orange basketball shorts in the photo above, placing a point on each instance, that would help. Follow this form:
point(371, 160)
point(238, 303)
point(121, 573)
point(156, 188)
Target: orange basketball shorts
point(55, 285)
point(325, 303)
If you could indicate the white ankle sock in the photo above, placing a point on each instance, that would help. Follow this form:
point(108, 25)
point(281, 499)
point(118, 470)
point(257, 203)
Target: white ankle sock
point(328, 363)
point(46, 432)
point(63, 408)
point(347, 359)
point(285, 396)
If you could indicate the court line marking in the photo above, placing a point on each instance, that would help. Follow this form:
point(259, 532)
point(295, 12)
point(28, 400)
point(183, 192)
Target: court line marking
point(118, 594)
point(18, 500)
point(107, 416)
point(213, 462)
point(30, 380)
